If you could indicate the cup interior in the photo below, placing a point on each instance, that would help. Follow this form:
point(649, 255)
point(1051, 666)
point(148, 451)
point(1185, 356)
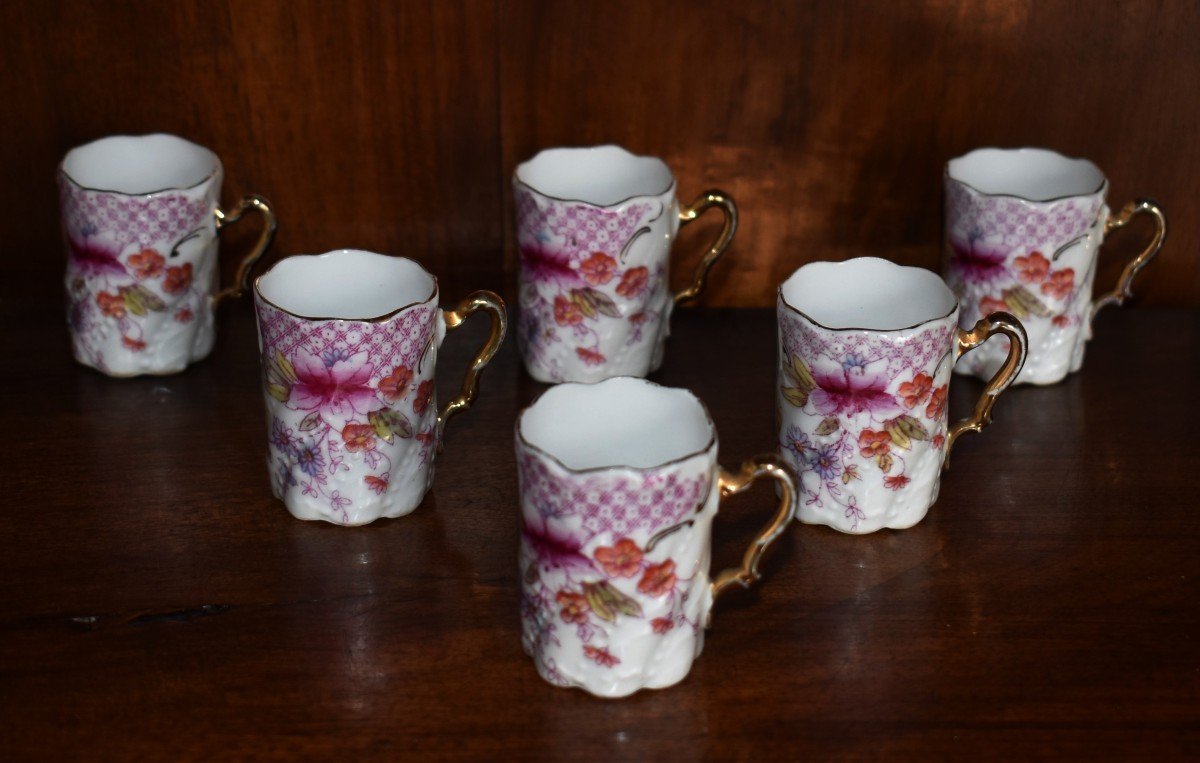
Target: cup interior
point(601, 175)
point(347, 284)
point(868, 293)
point(617, 422)
point(140, 164)
point(1035, 174)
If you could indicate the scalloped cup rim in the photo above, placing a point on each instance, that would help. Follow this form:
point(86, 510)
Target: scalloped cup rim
point(949, 173)
point(300, 260)
point(75, 152)
point(706, 450)
point(523, 170)
point(878, 262)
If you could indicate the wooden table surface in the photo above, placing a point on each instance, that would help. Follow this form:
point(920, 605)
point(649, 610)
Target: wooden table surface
point(156, 601)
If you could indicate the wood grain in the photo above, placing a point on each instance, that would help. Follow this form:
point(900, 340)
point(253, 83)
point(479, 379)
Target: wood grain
point(396, 126)
point(157, 603)
point(830, 123)
point(367, 125)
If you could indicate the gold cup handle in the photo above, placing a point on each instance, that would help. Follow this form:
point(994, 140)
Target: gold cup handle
point(729, 484)
point(241, 282)
point(713, 198)
point(480, 300)
point(965, 341)
point(1124, 287)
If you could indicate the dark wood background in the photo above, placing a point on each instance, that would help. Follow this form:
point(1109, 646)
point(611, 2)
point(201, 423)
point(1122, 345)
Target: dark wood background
point(396, 125)
point(156, 601)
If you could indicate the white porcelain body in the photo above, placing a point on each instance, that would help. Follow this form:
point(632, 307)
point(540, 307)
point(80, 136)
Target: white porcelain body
point(1023, 233)
point(141, 234)
point(630, 542)
point(350, 398)
point(594, 228)
point(865, 358)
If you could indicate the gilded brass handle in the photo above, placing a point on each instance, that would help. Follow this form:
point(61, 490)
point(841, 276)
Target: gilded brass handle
point(729, 484)
point(241, 282)
point(480, 300)
point(965, 341)
point(713, 198)
point(1124, 287)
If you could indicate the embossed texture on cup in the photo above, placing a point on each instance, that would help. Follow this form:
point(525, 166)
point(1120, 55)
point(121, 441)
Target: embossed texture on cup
point(594, 230)
point(140, 217)
point(1023, 234)
point(866, 349)
point(349, 343)
point(619, 485)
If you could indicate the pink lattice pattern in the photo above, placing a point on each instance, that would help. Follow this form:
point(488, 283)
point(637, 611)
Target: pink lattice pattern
point(582, 228)
point(399, 341)
point(919, 351)
point(612, 503)
point(133, 219)
point(1020, 225)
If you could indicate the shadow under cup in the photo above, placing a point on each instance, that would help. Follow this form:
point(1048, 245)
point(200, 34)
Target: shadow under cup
point(595, 228)
point(619, 485)
point(140, 218)
point(1024, 229)
point(866, 350)
point(349, 344)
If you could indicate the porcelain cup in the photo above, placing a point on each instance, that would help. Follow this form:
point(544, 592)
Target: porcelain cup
point(866, 348)
point(619, 486)
point(140, 217)
point(595, 228)
point(349, 342)
point(1023, 233)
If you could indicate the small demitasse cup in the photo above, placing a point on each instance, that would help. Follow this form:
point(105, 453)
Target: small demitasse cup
point(866, 349)
point(1023, 233)
point(619, 485)
point(140, 216)
point(594, 230)
point(349, 343)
